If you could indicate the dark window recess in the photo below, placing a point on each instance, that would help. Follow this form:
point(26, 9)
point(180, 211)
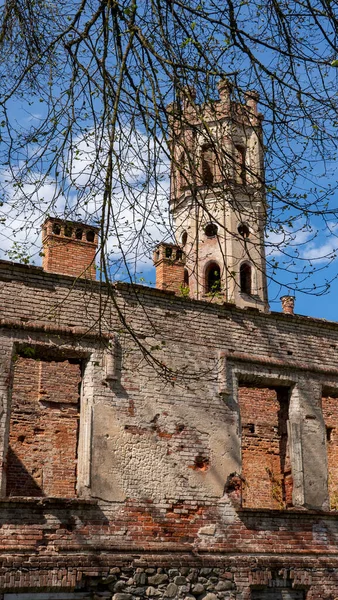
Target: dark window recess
point(243, 230)
point(329, 431)
point(210, 230)
point(213, 279)
point(78, 234)
point(68, 231)
point(186, 277)
point(179, 254)
point(90, 236)
point(168, 252)
point(184, 238)
point(245, 279)
point(56, 229)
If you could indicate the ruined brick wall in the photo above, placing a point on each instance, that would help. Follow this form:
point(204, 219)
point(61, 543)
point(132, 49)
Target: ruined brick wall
point(58, 546)
point(159, 440)
point(266, 469)
point(43, 432)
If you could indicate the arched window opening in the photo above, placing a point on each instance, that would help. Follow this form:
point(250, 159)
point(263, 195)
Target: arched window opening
point(208, 164)
point(186, 278)
point(240, 170)
point(213, 279)
point(243, 230)
point(245, 274)
point(184, 238)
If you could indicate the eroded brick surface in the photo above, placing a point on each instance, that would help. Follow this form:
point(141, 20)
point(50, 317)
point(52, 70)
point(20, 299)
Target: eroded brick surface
point(266, 468)
point(166, 446)
point(330, 414)
point(41, 458)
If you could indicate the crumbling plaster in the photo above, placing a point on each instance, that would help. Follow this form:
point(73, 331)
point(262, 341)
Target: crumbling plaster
point(131, 442)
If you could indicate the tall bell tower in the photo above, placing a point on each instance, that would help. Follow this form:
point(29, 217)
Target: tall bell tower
point(217, 197)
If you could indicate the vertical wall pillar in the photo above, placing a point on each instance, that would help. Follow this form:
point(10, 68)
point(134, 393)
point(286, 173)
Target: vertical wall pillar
point(307, 438)
point(5, 405)
point(89, 379)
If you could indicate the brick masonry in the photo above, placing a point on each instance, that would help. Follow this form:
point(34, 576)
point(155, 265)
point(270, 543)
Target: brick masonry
point(266, 468)
point(164, 444)
point(41, 455)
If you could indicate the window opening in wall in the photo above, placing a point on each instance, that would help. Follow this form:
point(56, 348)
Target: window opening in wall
point(243, 230)
point(213, 279)
point(168, 252)
point(90, 236)
point(184, 238)
point(68, 231)
point(78, 234)
point(44, 426)
point(56, 229)
point(329, 431)
point(330, 415)
point(208, 164)
point(245, 276)
point(240, 164)
point(210, 230)
point(266, 467)
point(186, 278)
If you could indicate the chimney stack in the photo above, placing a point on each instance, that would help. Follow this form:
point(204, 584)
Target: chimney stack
point(69, 248)
point(169, 261)
point(288, 304)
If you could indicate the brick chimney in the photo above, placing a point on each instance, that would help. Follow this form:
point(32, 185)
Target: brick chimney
point(169, 261)
point(288, 304)
point(69, 248)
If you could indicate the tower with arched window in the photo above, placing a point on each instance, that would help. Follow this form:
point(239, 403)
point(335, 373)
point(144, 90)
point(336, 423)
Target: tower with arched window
point(217, 196)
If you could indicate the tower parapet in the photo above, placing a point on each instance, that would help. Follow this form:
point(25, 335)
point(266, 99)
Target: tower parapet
point(217, 196)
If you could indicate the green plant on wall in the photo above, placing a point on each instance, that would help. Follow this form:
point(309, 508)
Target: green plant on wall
point(184, 290)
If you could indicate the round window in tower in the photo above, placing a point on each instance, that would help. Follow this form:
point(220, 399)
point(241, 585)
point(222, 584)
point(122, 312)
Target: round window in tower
point(243, 230)
point(210, 230)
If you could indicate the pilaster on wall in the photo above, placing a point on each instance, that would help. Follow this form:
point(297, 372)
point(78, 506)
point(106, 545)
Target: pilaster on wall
point(308, 445)
point(7, 348)
point(86, 425)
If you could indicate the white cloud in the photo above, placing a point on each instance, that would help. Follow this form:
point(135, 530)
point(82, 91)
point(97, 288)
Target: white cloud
point(138, 214)
point(287, 240)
